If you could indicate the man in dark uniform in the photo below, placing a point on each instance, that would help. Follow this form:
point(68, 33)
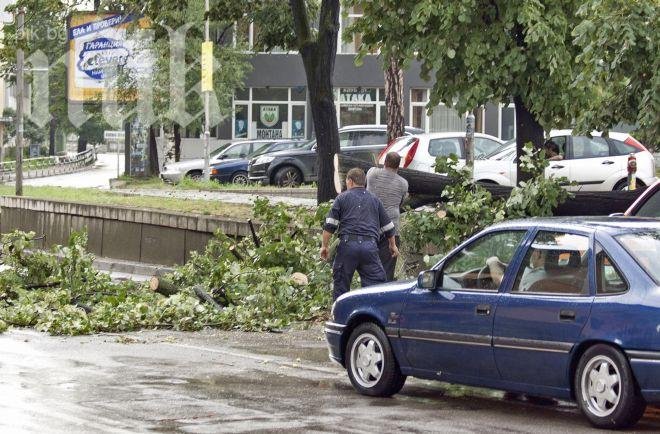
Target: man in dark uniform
point(361, 219)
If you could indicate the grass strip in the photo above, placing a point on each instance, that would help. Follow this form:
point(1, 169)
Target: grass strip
point(98, 197)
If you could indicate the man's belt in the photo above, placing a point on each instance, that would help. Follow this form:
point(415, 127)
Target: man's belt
point(353, 237)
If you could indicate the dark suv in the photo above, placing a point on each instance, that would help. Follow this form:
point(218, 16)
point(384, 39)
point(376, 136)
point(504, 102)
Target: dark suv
point(293, 167)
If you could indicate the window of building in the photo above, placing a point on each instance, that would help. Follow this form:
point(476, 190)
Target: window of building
point(270, 113)
point(348, 16)
point(507, 122)
point(358, 105)
point(442, 118)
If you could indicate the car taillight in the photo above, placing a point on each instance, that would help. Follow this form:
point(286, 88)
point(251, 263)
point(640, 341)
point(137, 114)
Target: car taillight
point(386, 150)
point(411, 154)
point(634, 143)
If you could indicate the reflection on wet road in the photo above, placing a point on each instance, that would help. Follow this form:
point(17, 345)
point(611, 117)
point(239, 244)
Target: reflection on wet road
point(213, 381)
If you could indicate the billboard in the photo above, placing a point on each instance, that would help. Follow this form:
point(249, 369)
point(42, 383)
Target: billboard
point(98, 47)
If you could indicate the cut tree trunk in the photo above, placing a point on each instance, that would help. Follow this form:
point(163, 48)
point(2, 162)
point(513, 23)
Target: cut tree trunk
point(163, 286)
point(394, 99)
point(426, 188)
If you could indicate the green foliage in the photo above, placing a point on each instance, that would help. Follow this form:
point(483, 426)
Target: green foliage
point(483, 50)
point(263, 289)
point(619, 63)
point(274, 284)
point(470, 207)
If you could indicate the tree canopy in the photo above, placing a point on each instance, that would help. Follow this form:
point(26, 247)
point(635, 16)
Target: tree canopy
point(559, 60)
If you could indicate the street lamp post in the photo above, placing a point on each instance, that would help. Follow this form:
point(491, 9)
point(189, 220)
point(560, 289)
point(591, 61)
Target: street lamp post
point(20, 64)
point(207, 92)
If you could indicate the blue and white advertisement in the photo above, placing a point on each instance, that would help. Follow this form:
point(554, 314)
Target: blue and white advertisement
point(99, 48)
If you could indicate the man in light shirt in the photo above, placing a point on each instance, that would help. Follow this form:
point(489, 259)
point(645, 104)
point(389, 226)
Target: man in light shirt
point(392, 190)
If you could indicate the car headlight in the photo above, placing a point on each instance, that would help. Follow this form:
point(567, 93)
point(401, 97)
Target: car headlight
point(263, 160)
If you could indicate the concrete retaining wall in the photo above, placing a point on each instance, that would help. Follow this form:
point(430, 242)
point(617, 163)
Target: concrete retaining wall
point(132, 234)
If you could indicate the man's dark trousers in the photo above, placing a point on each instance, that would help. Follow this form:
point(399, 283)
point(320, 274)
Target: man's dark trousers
point(389, 263)
point(356, 253)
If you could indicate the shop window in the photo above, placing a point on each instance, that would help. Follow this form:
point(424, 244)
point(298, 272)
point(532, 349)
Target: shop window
point(445, 119)
point(242, 94)
point(508, 123)
point(241, 121)
point(298, 121)
point(270, 94)
point(299, 93)
point(269, 121)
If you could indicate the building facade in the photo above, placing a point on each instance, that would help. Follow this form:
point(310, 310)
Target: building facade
point(274, 103)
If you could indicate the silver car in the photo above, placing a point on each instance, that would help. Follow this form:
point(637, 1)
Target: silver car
point(175, 172)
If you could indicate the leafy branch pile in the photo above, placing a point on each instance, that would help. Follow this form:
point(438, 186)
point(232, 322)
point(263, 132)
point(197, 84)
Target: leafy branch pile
point(263, 287)
point(470, 207)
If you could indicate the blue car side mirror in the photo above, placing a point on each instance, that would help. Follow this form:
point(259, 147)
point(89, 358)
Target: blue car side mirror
point(428, 279)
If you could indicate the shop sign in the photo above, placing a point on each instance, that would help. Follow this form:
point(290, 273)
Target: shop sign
point(269, 115)
point(357, 94)
point(267, 133)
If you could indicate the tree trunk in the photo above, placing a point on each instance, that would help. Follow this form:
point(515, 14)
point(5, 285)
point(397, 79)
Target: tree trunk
point(394, 99)
point(177, 142)
point(426, 188)
point(318, 55)
point(154, 169)
point(527, 130)
point(52, 128)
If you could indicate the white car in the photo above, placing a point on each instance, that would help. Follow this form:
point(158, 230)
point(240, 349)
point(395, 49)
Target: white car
point(419, 151)
point(595, 163)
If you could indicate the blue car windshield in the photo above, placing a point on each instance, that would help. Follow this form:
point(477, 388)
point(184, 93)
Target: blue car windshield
point(644, 247)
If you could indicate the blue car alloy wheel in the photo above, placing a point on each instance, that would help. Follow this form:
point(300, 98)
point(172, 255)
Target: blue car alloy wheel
point(606, 390)
point(371, 365)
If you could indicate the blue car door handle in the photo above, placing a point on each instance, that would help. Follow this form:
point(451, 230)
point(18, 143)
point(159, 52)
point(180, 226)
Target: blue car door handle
point(483, 309)
point(566, 315)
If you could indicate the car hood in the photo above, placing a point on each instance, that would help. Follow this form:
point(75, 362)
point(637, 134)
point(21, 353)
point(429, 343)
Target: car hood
point(383, 288)
point(186, 165)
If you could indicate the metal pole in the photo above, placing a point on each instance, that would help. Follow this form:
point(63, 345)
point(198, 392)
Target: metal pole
point(2, 141)
point(469, 143)
point(20, 61)
point(207, 96)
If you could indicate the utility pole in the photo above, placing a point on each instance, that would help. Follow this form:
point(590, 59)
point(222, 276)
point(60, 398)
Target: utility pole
point(20, 65)
point(207, 87)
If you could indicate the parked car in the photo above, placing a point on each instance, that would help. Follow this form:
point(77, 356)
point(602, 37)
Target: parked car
point(585, 327)
point(419, 152)
point(648, 204)
point(236, 170)
point(174, 172)
point(594, 163)
point(294, 167)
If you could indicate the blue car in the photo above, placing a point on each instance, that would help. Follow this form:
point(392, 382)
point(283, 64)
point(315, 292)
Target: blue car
point(235, 170)
point(560, 307)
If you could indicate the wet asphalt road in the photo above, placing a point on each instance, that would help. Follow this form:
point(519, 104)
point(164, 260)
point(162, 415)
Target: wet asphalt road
point(212, 382)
